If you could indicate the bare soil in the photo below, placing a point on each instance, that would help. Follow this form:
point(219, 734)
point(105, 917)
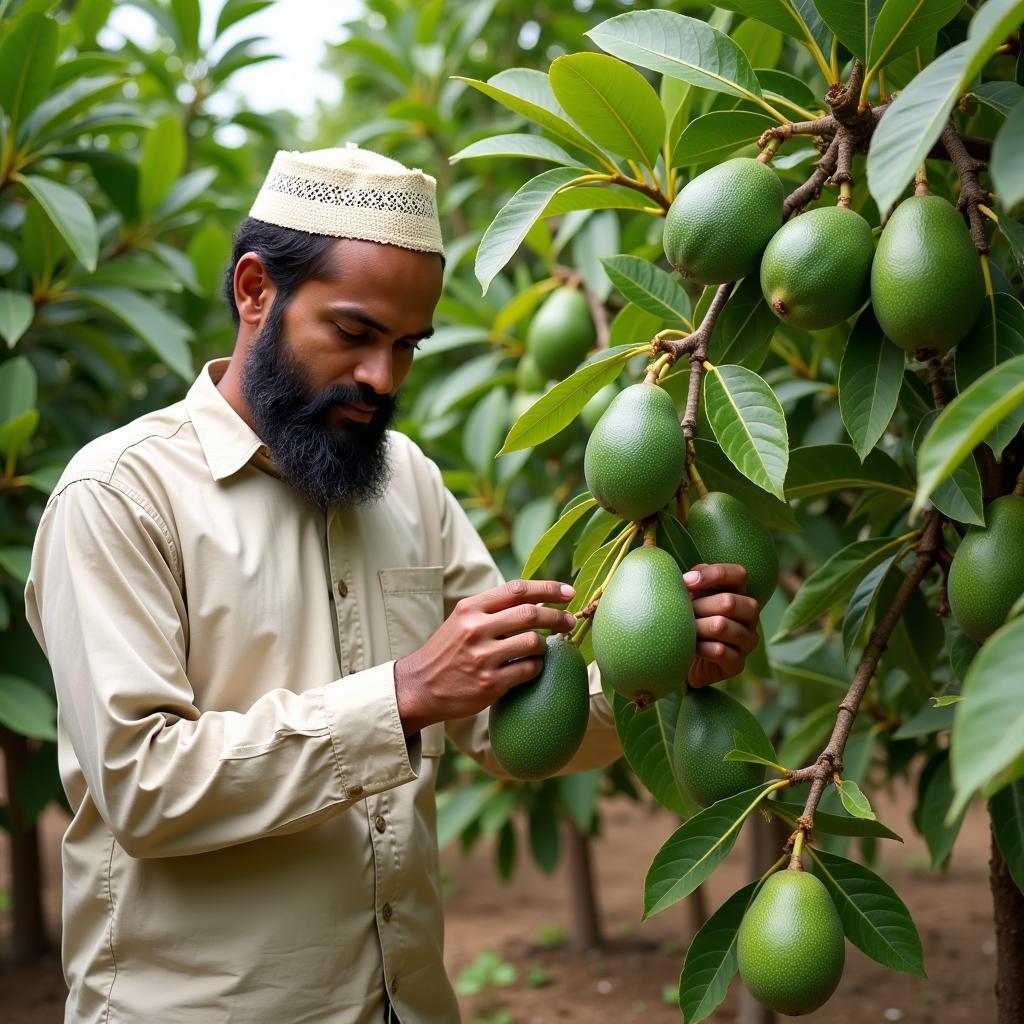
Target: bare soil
point(623, 983)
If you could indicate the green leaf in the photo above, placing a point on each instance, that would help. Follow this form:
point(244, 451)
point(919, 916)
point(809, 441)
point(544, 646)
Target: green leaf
point(15, 433)
point(745, 326)
point(1007, 163)
point(854, 800)
point(163, 159)
point(1014, 235)
point(530, 524)
point(544, 843)
point(235, 11)
point(535, 147)
point(18, 388)
point(833, 581)
point(715, 135)
point(649, 287)
point(1002, 97)
point(762, 44)
point(611, 102)
point(966, 421)
point(874, 918)
point(485, 427)
point(594, 534)
point(797, 18)
point(749, 424)
point(596, 197)
point(186, 14)
point(900, 25)
point(458, 807)
point(947, 700)
point(864, 598)
point(935, 800)
point(695, 849)
point(550, 539)
point(16, 562)
point(506, 232)
point(824, 468)
point(914, 121)
point(1006, 809)
point(165, 334)
point(745, 751)
point(556, 409)
point(959, 495)
point(870, 377)
point(852, 21)
point(835, 824)
point(27, 60)
point(592, 572)
point(672, 536)
point(26, 709)
point(647, 738)
point(16, 313)
point(681, 47)
point(70, 215)
point(711, 961)
point(988, 726)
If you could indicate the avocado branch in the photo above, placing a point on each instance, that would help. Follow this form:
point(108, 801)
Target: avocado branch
point(972, 195)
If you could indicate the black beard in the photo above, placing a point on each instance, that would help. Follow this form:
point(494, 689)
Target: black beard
point(347, 464)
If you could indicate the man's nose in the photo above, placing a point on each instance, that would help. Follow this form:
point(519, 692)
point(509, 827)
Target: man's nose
point(375, 369)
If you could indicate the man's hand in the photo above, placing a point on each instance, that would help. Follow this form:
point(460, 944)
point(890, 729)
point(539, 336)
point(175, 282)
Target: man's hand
point(726, 621)
point(485, 647)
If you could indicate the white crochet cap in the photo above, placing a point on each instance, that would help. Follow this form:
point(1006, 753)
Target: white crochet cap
point(351, 193)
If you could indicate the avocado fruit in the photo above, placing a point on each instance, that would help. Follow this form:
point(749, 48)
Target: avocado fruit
point(725, 530)
point(705, 732)
point(816, 270)
point(561, 333)
point(721, 221)
point(528, 377)
point(927, 285)
point(644, 632)
point(790, 944)
point(597, 406)
point(636, 455)
point(987, 574)
point(538, 726)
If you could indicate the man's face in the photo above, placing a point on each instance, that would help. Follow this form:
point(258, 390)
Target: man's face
point(322, 372)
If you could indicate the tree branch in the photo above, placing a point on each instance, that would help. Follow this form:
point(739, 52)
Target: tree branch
point(811, 188)
point(971, 193)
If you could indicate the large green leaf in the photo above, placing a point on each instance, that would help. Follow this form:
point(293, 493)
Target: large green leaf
point(711, 961)
point(506, 232)
point(27, 60)
point(852, 21)
point(715, 135)
point(914, 121)
point(672, 536)
point(186, 15)
point(546, 544)
point(18, 388)
point(834, 824)
point(797, 18)
point(988, 724)
point(749, 424)
point(745, 326)
point(458, 807)
point(70, 215)
point(235, 11)
point(695, 849)
point(648, 287)
point(1007, 163)
point(556, 409)
point(862, 602)
point(681, 47)
point(959, 495)
point(1002, 97)
point(531, 523)
point(26, 709)
point(163, 159)
point(165, 334)
point(967, 421)
point(900, 25)
point(611, 102)
point(1006, 809)
point(485, 427)
point(870, 377)
point(596, 197)
point(933, 806)
point(874, 918)
point(593, 535)
point(16, 313)
point(834, 581)
point(823, 468)
point(997, 335)
point(535, 147)
point(16, 433)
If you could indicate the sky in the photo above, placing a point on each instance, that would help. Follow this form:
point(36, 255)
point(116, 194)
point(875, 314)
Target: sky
point(296, 29)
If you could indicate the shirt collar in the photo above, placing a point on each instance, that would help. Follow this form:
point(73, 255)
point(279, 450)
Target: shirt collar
point(228, 442)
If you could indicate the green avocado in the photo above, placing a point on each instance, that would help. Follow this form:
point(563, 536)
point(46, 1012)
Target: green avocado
point(725, 530)
point(528, 376)
point(597, 406)
point(644, 632)
point(987, 574)
point(816, 271)
point(790, 944)
point(636, 454)
point(719, 224)
point(561, 333)
point(708, 719)
point(538, 726)
point(926, 280)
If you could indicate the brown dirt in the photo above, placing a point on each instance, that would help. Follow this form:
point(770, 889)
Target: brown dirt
point(623, 983)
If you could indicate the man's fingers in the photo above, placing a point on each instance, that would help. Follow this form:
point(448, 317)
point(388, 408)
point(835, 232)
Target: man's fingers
point(522, 617)
point(726, 631)
point(522, 645)
point(517, 592)
point(732, 606)
point(518, 672)
point(725, 657)
point(717, 576)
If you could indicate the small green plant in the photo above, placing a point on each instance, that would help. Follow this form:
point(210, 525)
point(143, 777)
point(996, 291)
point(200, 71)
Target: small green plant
point(538, 977)
point(483, 977)
point(552, 936)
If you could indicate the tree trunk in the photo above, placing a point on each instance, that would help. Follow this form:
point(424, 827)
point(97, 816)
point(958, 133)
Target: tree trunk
point(695, 906)
point(28, 938)
point(586, 918)
point(1008, 904)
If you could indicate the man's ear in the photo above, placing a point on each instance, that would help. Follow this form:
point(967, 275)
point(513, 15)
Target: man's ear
point(254, 291)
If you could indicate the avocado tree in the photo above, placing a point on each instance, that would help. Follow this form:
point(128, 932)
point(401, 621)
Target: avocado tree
point(873, 396)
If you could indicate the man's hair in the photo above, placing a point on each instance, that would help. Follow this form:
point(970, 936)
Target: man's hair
point(289, 256)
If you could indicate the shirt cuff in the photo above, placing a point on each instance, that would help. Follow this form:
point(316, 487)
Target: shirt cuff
point(370, 746)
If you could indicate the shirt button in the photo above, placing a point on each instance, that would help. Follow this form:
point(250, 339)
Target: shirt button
point(355, 791)
point(379, 823)
point(386, 914)
point(394, 985)
point(340, 589)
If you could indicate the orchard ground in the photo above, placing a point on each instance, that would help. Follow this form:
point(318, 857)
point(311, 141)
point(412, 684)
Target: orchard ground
point(623, 983)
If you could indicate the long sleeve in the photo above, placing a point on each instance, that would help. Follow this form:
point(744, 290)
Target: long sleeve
point(106, 602)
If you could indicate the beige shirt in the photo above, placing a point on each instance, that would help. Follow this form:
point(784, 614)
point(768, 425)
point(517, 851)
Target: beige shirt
point(253, 837)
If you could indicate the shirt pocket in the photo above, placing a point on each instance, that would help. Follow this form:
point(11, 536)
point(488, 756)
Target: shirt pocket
point(413, 606)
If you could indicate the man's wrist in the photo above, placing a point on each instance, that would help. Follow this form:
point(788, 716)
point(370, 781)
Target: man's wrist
point(406, 694)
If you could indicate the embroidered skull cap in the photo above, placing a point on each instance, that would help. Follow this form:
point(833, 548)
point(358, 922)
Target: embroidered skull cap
point(351, 193)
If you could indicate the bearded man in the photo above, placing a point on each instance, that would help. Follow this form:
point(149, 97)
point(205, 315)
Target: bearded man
point(264, 613)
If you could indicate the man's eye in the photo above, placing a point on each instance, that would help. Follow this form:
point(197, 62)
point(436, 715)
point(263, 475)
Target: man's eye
point(349, 336)
point(408, 346)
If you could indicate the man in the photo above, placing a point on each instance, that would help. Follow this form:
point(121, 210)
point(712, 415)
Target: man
point(263, 612)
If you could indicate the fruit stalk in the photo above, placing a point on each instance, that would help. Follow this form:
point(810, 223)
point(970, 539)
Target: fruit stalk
point(972, 195)
point(698, 354)
point(935, 377)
